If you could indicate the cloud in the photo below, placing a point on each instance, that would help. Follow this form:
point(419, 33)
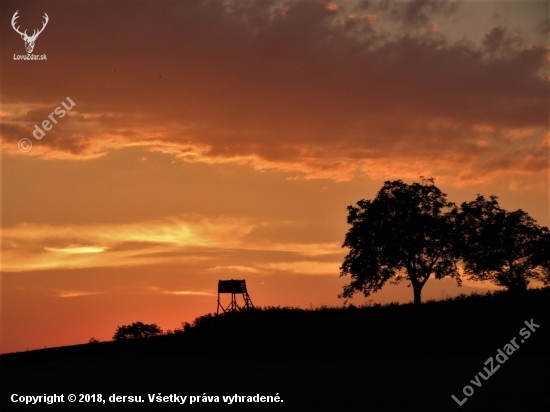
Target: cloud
point(306, 267)
point(234, 268)
point(291, 86)
point(188, 239)
point(187, 293)
point(416, 13)
point(77, 249)
point(33, 246)
point(75, 293)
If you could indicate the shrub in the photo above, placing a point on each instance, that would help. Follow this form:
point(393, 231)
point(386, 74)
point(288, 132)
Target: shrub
point(137, 330)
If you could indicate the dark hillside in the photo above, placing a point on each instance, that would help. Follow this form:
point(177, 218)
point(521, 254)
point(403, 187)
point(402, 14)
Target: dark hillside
point(394, 356)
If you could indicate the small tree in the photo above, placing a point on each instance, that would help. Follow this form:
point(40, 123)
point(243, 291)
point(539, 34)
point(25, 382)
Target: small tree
point(405, 233)
point(506, 248)
point(137, 330)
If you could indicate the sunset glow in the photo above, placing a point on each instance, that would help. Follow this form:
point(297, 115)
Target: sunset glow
point(210, 141)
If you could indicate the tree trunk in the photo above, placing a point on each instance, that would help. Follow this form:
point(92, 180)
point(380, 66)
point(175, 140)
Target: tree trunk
point(517, 281)
point(518, 285)
point(417, 289)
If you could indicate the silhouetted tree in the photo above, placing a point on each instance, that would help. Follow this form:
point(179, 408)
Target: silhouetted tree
point(405, 233)
point(542, 255)
point(506, 248)
point(137, 330)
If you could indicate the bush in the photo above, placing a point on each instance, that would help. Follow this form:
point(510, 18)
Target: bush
point(137, 330)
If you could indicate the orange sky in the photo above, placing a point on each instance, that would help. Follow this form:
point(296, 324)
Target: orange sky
point(216, 140)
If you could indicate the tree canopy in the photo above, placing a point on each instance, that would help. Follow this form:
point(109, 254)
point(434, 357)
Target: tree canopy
point(506, 248)
point(137, 330)
point(404, 233)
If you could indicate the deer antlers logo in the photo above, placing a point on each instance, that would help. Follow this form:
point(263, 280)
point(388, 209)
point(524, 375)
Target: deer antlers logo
point(29, 40)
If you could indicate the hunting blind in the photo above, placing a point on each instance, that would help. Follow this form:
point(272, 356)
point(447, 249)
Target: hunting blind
point(233, 287)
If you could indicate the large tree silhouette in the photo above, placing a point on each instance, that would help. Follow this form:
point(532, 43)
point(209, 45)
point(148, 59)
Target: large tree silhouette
point(405, 233)
point(506, 248)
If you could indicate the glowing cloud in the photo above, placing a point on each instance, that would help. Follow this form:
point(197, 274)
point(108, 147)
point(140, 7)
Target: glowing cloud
point(77, 249)
point(187, 293)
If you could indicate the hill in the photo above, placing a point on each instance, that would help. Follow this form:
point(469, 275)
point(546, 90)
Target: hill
point(386, 357)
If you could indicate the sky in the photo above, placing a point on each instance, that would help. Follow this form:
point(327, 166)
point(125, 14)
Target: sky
point(205, 140)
